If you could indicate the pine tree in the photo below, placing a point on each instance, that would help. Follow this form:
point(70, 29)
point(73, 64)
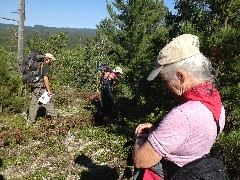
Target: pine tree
point(135, 32)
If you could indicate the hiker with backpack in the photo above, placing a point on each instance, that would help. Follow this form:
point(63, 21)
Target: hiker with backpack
point(179, 146)
point(39, 86)
point(107, 82)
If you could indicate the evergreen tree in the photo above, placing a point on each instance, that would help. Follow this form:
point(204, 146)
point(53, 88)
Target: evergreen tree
point(135, 33)
point(10, 85)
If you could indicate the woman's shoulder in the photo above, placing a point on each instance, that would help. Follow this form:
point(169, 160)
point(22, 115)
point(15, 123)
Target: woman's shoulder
point(195, 106)
point(189, 110)
point(190, 105)
point(195, 110)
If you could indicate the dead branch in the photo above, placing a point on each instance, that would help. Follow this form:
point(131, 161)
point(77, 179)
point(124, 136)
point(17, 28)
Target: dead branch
point(8, 19)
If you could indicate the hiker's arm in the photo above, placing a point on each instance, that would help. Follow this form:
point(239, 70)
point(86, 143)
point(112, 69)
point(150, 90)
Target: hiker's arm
point(116, 81)
point(114, 78)
point(144, 156)
point(46, 82)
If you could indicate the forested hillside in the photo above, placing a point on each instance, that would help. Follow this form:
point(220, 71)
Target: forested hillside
point(76, 36)
point(72, 146)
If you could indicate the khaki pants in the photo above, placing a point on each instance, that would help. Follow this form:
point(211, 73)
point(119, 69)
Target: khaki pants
point(35, 104)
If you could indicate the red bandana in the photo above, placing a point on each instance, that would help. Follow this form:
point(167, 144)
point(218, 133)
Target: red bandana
point(207, 95)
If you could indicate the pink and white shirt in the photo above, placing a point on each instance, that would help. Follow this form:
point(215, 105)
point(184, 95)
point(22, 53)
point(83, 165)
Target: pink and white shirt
point(186, 133)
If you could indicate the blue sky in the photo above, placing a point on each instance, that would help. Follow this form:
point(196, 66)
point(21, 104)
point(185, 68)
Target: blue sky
point(60, 13)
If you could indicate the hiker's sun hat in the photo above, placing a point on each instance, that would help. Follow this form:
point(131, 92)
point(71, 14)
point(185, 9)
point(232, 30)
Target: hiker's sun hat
point(180, 48)
point(49, 55)
point(117, 70)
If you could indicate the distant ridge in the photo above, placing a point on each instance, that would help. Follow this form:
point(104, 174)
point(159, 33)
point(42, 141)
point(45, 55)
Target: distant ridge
point(41, 27)
point(76, 35)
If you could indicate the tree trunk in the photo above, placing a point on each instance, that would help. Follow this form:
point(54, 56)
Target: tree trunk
point(21, 12)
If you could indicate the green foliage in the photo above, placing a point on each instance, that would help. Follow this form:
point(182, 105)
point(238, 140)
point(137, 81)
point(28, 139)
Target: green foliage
point(132, 37)
point(76, 36)
point(10, 85)
point(68, 69)
point(12, 40)
point(138, 28)
point(54, 44)
point(35, 43)
point(225, 55)
point(94, 55)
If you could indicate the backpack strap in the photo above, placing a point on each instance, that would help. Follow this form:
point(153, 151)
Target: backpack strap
point(40, 73)
point(218, 128)
point(30, 63)
point(41, 67)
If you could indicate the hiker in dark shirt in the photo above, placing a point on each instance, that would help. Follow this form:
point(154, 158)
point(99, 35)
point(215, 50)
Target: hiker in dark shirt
point(40, 87)
point(106, 83)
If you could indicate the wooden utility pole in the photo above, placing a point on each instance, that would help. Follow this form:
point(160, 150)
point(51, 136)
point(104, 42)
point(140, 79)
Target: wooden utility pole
point(21, 12)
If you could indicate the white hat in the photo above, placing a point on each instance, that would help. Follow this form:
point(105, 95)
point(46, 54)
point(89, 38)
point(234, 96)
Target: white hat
point(180, 48)
point(118, 69)
point(48, 55)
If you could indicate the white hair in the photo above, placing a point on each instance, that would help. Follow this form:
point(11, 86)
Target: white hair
point(198, 66)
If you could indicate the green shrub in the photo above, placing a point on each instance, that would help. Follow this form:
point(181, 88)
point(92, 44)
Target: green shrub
point(10, 85)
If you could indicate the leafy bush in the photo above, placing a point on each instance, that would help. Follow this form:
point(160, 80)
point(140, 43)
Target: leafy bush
point(10, 85)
